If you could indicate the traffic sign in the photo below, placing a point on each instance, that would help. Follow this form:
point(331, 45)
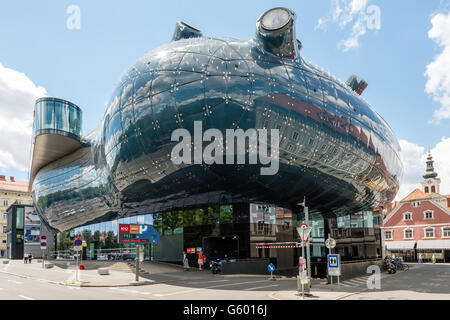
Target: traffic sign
point(84, 244)
point(43, 238)
point(271, 267)
point(301, 262)
point(303, 231)
point(334, 265)
point(43, 245)
point(330, 243)
point(77, 248)
point(78, 243)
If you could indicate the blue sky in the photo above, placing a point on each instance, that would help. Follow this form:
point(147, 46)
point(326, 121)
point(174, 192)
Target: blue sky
point(83, 65)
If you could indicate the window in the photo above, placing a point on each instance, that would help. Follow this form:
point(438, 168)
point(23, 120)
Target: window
point(4, 229)
point(407, 216)
point(295, 136)
point(427, 190)
point(20, 213)
point(433, 189)
point(5, 203)
point(416, 204)
point(388, 235)
point(5, 216)
point(429, 233)
point(408, 234)
point(428, 215)
point(446, 232)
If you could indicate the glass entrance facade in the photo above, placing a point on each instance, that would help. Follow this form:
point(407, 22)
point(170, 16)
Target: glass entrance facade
point(233, 232)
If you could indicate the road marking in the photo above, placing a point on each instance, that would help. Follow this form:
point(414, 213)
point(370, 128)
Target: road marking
point(202, 282)
point(25, 297)
point(249, 289)
point(14, 281)
point(210, 287)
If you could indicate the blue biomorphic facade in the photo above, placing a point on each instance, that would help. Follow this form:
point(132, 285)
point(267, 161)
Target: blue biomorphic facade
point(335, 149)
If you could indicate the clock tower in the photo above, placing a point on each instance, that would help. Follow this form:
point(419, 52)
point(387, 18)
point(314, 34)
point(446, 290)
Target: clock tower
point(431, 182)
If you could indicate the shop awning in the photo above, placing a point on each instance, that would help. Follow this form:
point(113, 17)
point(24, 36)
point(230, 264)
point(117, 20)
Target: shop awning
point(400, 245)
point(433, 244)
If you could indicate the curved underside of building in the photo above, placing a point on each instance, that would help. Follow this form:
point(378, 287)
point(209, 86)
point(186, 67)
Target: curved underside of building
point(335, 150)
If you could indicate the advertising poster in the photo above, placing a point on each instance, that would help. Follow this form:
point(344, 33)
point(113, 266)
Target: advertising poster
point(32, 235)
point(31, 216)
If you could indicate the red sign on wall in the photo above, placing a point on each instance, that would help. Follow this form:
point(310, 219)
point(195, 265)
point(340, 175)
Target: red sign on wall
point(124, 228)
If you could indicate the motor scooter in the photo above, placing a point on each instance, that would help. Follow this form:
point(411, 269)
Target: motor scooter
point(216, 266)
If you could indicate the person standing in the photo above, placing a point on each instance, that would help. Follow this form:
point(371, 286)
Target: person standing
point(200, 261)
point(25, 258)
point(433, 258)
point(420, 257)
point(185, 262)
point(30, 257)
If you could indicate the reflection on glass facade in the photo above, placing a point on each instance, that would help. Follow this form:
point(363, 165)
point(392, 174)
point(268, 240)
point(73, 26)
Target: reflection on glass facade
point(335, 149)
point(57, 116)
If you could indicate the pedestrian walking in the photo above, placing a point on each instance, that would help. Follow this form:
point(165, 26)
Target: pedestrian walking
point(30, 257)
point(185, 262)
point(420, 257)
point(25, 258)
point(433, 259)
point(200, 261)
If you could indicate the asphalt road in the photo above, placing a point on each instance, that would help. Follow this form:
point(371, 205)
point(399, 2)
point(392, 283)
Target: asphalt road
point(420, 282)
point(16, 288)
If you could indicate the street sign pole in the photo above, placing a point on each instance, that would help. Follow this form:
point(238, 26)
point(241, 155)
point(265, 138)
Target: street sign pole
point(329, 252)
point(77, 267)
point(308, 253)
point(303, 256)
point(137, 263)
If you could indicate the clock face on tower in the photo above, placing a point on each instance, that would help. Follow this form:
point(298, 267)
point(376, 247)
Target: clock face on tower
point(429, 181)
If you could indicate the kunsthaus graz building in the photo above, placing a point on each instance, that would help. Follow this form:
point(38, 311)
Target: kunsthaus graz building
point(333, 149)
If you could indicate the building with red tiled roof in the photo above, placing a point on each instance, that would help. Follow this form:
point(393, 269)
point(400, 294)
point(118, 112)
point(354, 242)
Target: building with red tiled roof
point(11, 191)
point(420, 223)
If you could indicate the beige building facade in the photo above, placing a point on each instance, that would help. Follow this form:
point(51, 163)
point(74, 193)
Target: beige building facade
point(11, 191)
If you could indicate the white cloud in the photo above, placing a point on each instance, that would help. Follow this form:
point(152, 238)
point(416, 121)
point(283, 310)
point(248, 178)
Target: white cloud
point(17, 97)
point(414, 159)
point(354, 15)
point(438, 71)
